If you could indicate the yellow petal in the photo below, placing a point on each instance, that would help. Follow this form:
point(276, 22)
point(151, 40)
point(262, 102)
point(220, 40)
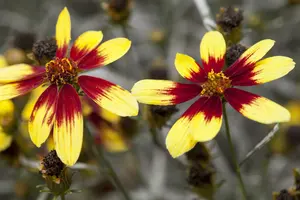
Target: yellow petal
point(11, 90)
point(50, 143)
point(63, 32)
point(248, 59)
point(201, 122)
point(68, 126)
point(265, 71)
point(5, 140)
point(109, 96)
point(272, 68)
point(6, 108)
point(19, 72)
point(212, 51)
point(255, 107)
point(161, 92)
point(188, 68)
point(180, 139)
point(85, 43)
point(111, 139)
point(106, 53)
point(7, 114)
point(43, 115)
point(257, 51)
point(109, 116)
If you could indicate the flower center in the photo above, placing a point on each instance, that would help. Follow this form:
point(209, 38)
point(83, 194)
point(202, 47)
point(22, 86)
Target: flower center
point(216, 84)
point(62, 71)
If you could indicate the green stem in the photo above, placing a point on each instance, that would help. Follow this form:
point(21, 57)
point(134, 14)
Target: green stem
point(102, 161)
point(234, 158)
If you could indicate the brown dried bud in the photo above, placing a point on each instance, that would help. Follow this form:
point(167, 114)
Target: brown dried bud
point(229, 18)
point(284, 195)
point(199, 176)
point(44, 50)
point(52, 165)
point(118, 10)
point(233, 53)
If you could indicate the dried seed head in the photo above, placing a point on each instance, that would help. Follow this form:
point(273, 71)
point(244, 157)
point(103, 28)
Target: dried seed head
point(229, 18)
point(118, 10)
point(284, 195)
point(52, 165)
point(44, 50)
point(233, 53)
point(199, 176)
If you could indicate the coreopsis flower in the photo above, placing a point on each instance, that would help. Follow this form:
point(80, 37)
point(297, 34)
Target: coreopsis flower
point(59, 106)
point(202, 120)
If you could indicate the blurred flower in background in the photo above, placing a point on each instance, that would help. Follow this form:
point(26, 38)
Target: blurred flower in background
point(288, 137)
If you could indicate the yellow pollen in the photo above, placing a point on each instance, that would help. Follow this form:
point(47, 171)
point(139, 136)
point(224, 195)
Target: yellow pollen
point(62, 71)
point(216, 84)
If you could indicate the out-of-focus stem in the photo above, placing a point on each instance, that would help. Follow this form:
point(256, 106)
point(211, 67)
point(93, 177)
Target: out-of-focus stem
point(102, 161)
point(234, 158)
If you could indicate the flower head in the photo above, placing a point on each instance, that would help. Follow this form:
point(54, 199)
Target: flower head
point(202, 120)
point(59, 107)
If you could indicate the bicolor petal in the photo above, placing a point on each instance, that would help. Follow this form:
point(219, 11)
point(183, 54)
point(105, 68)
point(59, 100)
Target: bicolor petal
point(163, 92)
point(68, 126)
point(212, 51)
point(106, 53)
point(249, 58)
point(255, 107)
point(264, 71)
point(43, 115)
point(189, 69)
point(84, 44)
point(63, 33)
point(19, 72)
point(109, 96)
point(28, 108)
point(11, 90)
point(201, 122)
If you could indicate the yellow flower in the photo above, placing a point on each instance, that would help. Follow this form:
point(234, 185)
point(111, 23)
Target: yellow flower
point(59, 106)
point(202, 121)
